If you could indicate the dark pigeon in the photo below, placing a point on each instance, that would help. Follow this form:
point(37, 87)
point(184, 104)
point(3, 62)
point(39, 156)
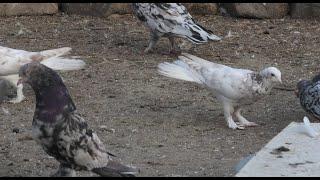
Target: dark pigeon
point(61, 131)
point(309, 94)
point(170, 20)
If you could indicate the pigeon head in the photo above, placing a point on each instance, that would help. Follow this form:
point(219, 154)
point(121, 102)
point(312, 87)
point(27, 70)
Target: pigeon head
point(272, 74)
point(51, 93)
point(39, 76)
point(301, 86)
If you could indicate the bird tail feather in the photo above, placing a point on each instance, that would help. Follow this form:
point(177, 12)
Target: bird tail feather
point(199, 34)
point(116, 169)
point(63, 64)
point(180, 70)
point(55, 52)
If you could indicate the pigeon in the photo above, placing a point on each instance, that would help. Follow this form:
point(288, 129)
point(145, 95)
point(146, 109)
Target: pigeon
point(232, 87)
point(60, 129)
point(12, 59)
point(308, 91)
point(170, 20)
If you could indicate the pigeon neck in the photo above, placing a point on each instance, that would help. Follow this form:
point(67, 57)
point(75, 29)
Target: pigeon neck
point(52, 103)
point(266, 85)
point(262, 81)
point(302, 85)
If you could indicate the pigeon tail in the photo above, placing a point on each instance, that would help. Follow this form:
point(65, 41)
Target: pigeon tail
point(200, 34)
point(63, 64)
point(116, 169)
point(179, 70)
point(55, 52)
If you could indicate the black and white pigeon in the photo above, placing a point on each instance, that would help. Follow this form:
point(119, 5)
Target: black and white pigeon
point(309, 94)
point(61, 131)
point(170, 20)
point(233, 87)
point(12, 59)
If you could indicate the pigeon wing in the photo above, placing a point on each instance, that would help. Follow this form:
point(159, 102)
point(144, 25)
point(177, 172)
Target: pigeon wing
point(81, 145)
point(310, 99)
point(12, 59)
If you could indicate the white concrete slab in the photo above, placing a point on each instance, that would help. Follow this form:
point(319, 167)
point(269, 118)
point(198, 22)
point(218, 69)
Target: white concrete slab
point(302, 159)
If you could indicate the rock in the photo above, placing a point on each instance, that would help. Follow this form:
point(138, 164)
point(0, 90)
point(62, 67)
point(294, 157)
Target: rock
point(304, 10)
point(201, 8)
point(256, 10)
point(96, 9)
point(17, 9)
point(119, 8)
point(243, 162)
point(88, 9)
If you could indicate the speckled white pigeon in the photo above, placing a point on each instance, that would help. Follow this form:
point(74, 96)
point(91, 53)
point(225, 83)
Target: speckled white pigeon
point(232, 87)
point(171, 20)
point(12, 59)
point(309, 94)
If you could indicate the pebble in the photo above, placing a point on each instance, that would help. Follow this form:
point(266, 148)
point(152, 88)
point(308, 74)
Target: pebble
point(16, 130)
point(10, 164)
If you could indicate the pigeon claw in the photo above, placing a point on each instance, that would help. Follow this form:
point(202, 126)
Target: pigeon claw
point(236, 126)
point(251, 124)
point(240, 127)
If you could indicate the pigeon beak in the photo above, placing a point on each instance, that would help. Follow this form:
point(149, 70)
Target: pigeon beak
point(280, 80)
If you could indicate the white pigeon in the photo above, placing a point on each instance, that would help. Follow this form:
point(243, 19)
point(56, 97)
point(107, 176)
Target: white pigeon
point(171, 20)
point(12, 59)
point(232, 87)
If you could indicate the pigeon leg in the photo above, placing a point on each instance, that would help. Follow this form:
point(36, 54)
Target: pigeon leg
point(243, 121)
point(173, 49)
point(64, 171)
point(228, 110)
point(20, 97)
point(152, 41)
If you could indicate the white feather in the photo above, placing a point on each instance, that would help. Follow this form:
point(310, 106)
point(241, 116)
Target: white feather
point(12, 59)
point(63, 64)
point(307, 129)
point(177, 70)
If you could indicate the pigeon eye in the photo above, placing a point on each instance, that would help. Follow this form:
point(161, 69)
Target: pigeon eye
point(272, 74)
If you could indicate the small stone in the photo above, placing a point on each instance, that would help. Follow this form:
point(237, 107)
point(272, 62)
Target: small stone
point(160, 145)
point(16, 130)
point(105, 128)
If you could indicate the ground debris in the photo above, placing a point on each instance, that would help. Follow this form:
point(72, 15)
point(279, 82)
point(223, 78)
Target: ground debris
point(279, 150)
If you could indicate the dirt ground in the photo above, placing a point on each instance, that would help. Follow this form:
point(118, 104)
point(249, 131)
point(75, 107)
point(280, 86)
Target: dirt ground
point(165, 127)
